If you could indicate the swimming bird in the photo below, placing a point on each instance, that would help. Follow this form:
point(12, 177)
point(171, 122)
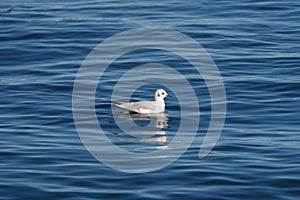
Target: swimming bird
point(146, 107)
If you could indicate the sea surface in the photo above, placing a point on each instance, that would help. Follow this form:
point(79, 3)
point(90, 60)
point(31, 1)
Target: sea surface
point(256, 47)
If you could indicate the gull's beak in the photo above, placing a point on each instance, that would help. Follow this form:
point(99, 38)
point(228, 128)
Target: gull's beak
point(169, 95)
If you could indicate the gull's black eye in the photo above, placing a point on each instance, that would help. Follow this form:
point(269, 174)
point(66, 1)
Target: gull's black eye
point(163, 93)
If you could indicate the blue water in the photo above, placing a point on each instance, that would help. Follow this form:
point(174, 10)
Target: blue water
point(256, 46)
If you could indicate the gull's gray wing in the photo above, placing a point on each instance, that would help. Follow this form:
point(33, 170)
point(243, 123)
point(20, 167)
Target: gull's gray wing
point(140, 107)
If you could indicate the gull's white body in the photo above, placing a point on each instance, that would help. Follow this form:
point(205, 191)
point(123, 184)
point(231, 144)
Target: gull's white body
point(146, 107)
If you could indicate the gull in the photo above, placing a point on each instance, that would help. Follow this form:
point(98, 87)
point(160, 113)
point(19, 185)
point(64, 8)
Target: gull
point(146, 107)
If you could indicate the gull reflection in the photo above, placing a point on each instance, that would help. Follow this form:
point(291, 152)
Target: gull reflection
point(157, 122)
